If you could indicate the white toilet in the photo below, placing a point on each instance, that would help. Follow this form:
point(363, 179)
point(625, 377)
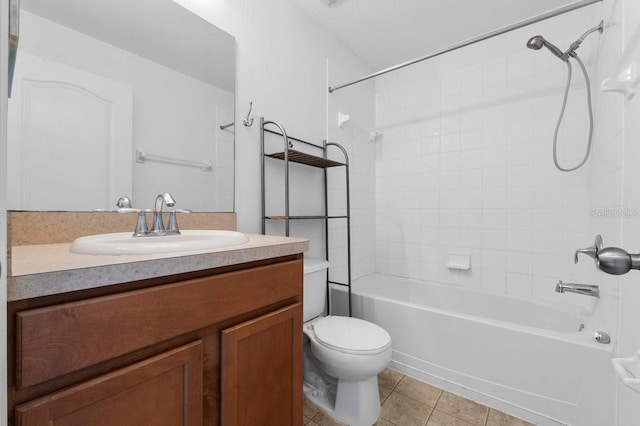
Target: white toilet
point(342, 356)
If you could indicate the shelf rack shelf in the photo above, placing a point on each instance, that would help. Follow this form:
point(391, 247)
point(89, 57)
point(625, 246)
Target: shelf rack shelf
point(306, 159)
point(289, 155)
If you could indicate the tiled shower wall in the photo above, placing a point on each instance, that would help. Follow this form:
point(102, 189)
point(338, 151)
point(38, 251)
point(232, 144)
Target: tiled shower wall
point(465, 163)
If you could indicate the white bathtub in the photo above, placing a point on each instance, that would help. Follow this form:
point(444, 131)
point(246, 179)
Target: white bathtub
point(518, 356)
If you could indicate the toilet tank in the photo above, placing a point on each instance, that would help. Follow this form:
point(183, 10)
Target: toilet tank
point(315, 287)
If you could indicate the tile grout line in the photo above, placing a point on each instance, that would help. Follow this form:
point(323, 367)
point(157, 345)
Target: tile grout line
point(417, 400)
point(429, 418)
point(433, 409)
point(396, 385)
point(387, 397)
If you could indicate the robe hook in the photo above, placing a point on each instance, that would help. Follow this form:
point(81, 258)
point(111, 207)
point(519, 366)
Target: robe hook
point(249, 120)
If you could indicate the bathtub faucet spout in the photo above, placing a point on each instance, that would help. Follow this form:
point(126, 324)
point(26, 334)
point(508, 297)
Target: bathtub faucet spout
point(586, 289)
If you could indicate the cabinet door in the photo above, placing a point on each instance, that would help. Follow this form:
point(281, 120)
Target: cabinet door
point(163, 390)
point(262, 370)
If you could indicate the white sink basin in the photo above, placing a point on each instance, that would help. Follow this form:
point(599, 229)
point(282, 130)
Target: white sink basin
point(125, 243)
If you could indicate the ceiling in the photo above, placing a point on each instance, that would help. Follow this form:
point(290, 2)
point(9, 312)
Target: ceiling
point(384, 33)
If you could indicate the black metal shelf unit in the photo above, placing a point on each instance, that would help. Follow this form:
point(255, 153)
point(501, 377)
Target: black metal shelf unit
point(289, 155)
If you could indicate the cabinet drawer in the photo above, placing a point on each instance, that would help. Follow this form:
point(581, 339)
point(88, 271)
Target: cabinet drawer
point(61, 339)
point(163, 390)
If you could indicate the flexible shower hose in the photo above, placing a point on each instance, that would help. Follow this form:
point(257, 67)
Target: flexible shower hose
point(564, 105)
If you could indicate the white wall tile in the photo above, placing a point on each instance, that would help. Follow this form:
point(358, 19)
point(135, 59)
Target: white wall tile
point(520, 219)
point(494, 218)
point(494, 198)
point(519, 262)
point(470, 237)
point(494, 259)
point(494, 281)
point(494, 177)
point(495, 72)
point(471, 198)
point(519, 240)
point(519, 284)
point(494, 239)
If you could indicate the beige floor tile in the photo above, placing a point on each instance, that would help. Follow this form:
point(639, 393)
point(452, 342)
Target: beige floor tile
point(418, 390)
point(498, 418)
point(384, 392)
point(462, 408)
point(383, 422)
point(402, 410)
point(389, 378)
point(308, 410)
point(322, 419)
point(438, 418)
point(441, 419)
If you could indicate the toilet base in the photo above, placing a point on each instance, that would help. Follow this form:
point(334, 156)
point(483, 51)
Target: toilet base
point(356, 403)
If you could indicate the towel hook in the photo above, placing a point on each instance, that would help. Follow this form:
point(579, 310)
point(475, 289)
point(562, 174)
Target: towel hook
point(249, 120)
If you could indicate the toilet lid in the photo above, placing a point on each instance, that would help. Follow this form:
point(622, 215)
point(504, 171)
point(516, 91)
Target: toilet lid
point(351, 334)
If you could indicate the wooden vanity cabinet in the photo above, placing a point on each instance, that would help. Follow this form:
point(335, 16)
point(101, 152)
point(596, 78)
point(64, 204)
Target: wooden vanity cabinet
point(217, 347)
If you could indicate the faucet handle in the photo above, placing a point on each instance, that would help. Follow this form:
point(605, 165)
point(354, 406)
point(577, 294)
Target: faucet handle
point(141, 226)
point(592, 251)
point(173, 221)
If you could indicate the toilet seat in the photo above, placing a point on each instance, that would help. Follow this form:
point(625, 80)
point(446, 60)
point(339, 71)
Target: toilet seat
point(351, 335)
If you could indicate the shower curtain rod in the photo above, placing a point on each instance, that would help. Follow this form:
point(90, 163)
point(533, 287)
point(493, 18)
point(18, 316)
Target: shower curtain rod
point(520, 24)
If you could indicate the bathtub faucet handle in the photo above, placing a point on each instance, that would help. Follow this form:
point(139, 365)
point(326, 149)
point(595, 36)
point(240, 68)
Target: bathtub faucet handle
point(612, 260)
point(592, 251)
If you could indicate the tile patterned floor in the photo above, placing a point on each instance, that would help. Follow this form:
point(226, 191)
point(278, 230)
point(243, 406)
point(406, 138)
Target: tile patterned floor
point(407, 402)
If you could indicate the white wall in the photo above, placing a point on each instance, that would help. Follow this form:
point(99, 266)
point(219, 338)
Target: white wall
point(282, 61)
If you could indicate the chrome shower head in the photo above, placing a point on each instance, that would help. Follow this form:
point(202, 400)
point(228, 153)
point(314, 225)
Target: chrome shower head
point(537, 42)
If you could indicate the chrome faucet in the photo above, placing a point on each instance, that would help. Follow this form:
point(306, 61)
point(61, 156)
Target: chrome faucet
point(586, 289)
point(158, 229)
point(158, 223)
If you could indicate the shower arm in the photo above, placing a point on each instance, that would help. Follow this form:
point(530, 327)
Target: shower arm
point(574, 46)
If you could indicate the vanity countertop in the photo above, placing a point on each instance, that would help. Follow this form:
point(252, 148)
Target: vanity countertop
point(47, 269)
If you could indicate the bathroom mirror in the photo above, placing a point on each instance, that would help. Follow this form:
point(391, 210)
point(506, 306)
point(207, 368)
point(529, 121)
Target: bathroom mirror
point(116, 98)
